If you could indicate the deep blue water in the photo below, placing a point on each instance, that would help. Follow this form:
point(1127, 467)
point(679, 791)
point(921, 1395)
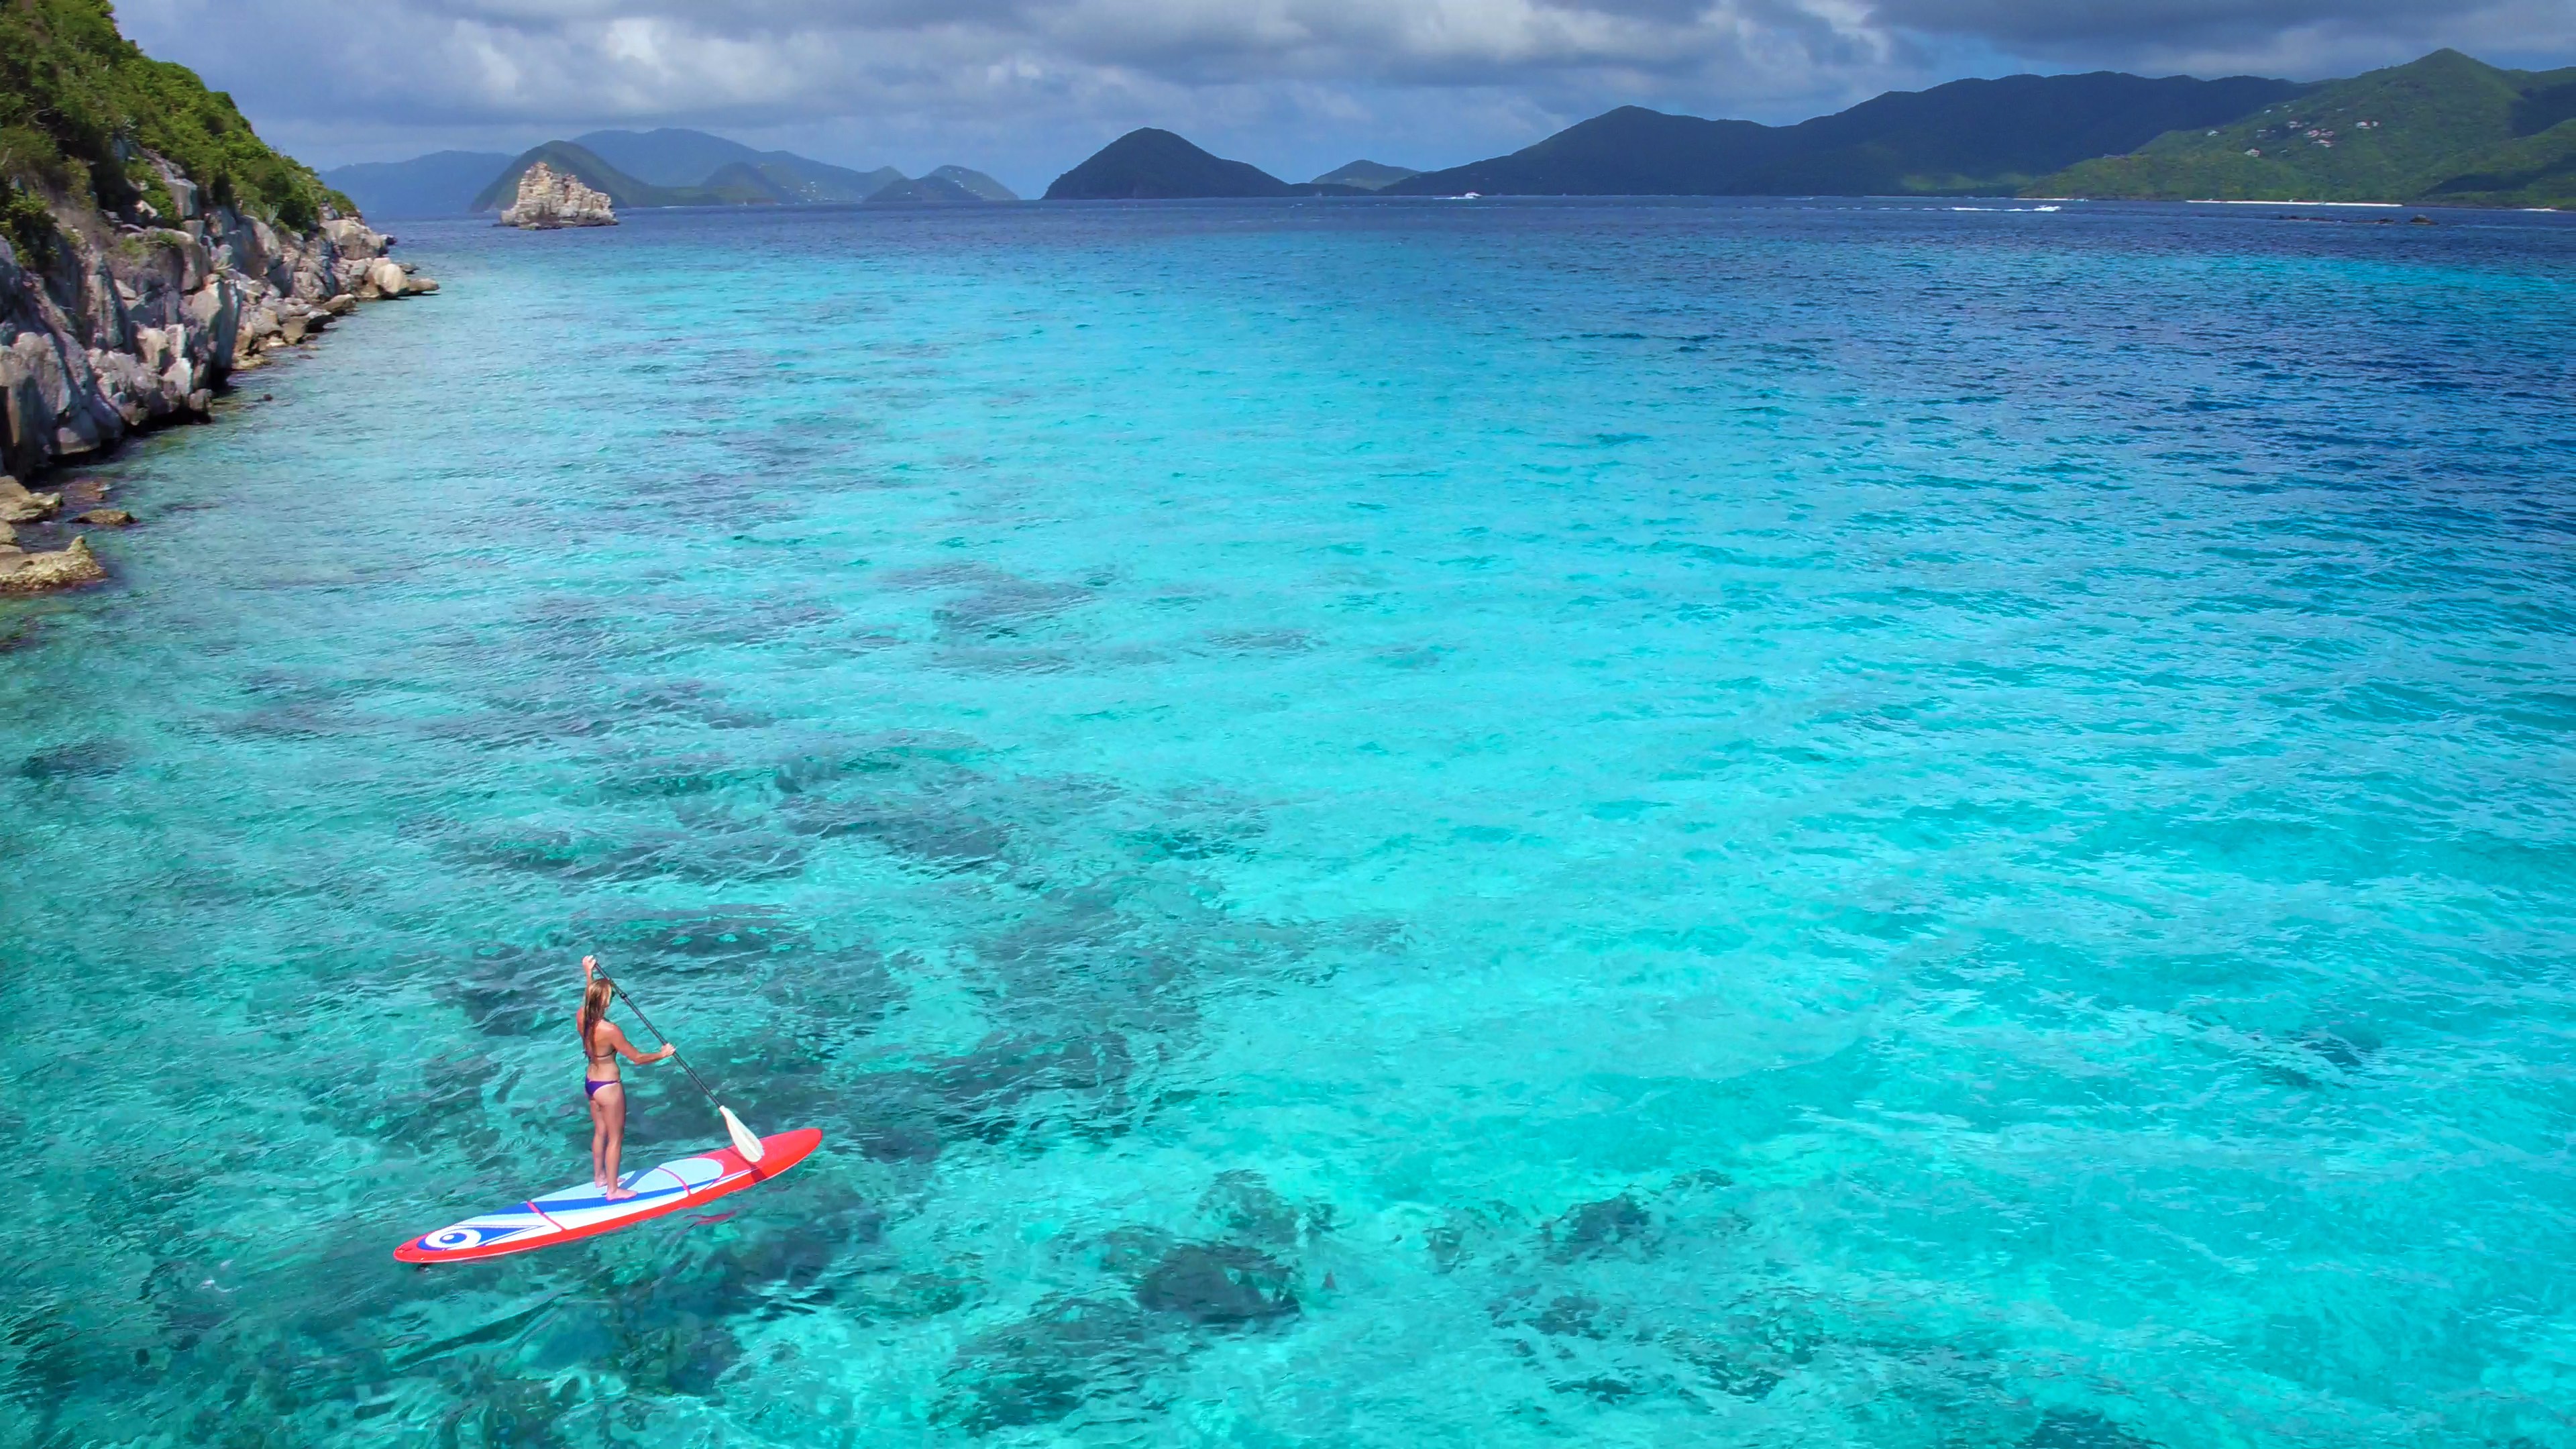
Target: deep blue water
point(1412, 824)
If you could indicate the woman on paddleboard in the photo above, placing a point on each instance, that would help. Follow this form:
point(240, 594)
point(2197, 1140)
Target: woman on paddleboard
point(601, 1042)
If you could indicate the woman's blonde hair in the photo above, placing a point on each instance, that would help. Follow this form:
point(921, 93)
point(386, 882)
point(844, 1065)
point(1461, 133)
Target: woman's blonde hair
point(594, 1007)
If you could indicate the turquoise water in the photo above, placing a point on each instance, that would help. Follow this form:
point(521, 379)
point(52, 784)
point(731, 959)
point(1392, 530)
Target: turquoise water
point(1725, 823)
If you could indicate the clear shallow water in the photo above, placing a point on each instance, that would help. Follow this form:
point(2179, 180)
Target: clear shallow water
point(1670, 824)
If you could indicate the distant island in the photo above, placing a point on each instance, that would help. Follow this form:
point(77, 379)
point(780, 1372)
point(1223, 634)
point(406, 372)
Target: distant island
point(1970, 137)
point(669, 167)
point(1155, 165)
point(2446, 129)
point(1368, 175)
point(2443, 130)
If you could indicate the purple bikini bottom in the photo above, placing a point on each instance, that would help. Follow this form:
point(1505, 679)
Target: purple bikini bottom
point(591, 1088)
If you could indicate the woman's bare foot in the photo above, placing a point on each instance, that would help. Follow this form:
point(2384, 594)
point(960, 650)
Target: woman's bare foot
point(618, 1194)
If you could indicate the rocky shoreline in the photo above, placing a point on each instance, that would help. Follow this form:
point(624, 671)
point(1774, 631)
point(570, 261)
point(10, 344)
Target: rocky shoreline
point(115, 324)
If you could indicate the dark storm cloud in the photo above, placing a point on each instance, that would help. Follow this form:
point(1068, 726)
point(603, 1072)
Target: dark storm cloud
point(1034, 84)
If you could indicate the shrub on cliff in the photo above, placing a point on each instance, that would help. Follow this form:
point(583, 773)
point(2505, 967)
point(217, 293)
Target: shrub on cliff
point(76, 98)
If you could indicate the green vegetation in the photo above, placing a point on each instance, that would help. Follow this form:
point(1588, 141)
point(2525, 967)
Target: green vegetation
point(926, 191)
point(26, 221)
point(1967, 138)
point(77, 98)
point(2445, 128)
point(1365, 174)
point(983, 186)
point(742, 184)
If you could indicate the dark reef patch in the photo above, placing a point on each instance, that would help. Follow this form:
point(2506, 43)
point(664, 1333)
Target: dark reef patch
point(1596, 1228)
point(1219, 1285)
point(720, 938)
point(707, 856)
point(2081, 1429)
point(926, 832)
point(994, 1093)
point(1264, 641)
point(1067, 1353)
point(88, 759)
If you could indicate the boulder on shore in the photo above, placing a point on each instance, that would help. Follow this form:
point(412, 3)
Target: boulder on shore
point(107, 518)
point(549, 199)
point(17, 505)
point(36, 573)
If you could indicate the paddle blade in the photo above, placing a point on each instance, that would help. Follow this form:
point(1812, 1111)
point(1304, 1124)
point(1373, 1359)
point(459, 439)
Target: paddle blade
point(744, 1141)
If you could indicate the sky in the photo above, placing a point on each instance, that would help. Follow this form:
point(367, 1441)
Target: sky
point(1024, 89)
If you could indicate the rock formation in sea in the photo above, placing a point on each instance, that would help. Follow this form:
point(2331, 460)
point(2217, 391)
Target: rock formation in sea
point(36, 573)
point(549, 199)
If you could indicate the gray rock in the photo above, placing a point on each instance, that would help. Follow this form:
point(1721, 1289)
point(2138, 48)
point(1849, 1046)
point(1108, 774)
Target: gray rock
point(37, 573)
point(549, 199)
point(129, 326)
point(17, 505)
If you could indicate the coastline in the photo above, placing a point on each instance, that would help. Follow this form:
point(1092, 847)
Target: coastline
point(113, 325)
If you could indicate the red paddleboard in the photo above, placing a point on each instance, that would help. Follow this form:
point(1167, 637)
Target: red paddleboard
point(582, 1212)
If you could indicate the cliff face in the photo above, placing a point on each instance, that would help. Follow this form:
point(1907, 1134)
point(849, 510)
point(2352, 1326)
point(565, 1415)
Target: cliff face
point(549, 198)
point(110, 323)
point(150, 246)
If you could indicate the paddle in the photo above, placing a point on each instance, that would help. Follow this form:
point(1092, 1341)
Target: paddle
point(745, 1141)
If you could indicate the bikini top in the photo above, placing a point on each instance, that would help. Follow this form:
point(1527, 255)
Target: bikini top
point(591, 1038)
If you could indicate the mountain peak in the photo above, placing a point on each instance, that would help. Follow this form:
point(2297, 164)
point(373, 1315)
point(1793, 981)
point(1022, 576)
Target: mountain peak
point(976, 182)
point(1367, 175)
point(1152, 164)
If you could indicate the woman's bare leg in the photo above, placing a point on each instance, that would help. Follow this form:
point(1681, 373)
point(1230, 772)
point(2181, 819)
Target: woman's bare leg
point(615, 1111)
point(598, 1142)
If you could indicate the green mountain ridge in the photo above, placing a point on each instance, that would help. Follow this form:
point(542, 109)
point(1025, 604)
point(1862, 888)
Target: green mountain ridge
point(1148, 164)
point(984, 187)
point(77, 98)
point(926, 191)
point(1152, 164)
point(684, 160)
point(1969, 137)
point(751, 178)
point(1365, 174)
point(438, 184)
point(740, 183)
point(2445, 129)
point(566, 158)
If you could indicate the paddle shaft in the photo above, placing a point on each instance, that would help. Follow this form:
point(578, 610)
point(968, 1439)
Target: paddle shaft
point(694, 1078)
